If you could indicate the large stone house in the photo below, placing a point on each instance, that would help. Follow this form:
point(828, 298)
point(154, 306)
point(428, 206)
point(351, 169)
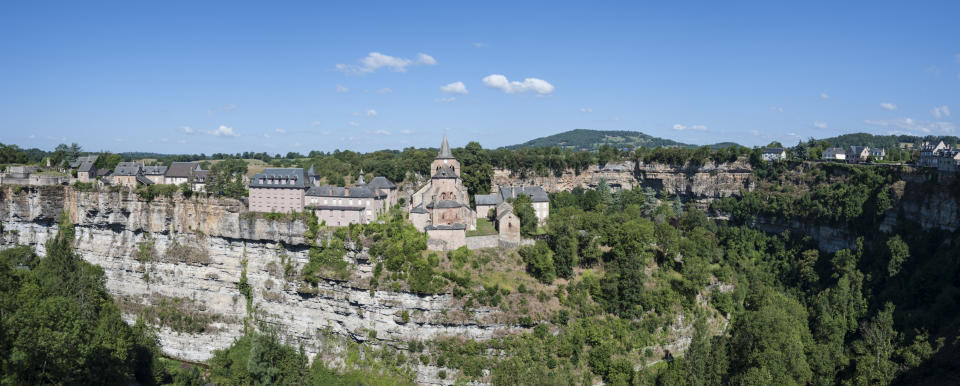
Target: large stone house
point(858, 154)
point(339, 206)
point(180, 172)
point(834, 154)
point(130, 174)
point(280, 190)
point(442, 206)
point(930, 154)
point(541, 201)
point(87, 170)
point(155, 173)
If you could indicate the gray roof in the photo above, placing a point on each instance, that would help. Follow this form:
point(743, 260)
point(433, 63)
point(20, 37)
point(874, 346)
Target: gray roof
point(381, 182)
point(336, 191)
point(86, 166)
point(144, 180)
point(772, 150)
point(445, 171)
point(536, 193)
point(182, 169)
point(104, 172)
point(154, 170)
point(454, 226)
point(127, 169)
point(294, 178)
point(200, 176)
point(80, 160)
point(418, 209)
point(444, 149)
point(858, 149)
point(444, 204)
point(504, 209)
point(487, 199)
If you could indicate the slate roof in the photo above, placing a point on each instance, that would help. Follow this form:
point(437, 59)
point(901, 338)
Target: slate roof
point(337, 191)
point(455, 226)
point(296, 176)
point(772, 150)
point(419, 209)
point(444, 149)
point(445, 172)
point(127, 169)
point(144, 180)
point(181, 169)
point(86, 166)
point(503, 210)
point(80, 160)
point(381, 182)
point(200, 176)
point(154, 170)
point(536, 193)
point(104, 172)
point(487, 199)
point(444, 204)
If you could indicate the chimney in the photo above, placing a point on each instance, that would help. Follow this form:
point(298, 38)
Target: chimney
point(346, 191)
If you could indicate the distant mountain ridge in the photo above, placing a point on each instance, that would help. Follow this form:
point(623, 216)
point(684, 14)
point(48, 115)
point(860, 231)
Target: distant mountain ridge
point(885, 141)
point(584, 139)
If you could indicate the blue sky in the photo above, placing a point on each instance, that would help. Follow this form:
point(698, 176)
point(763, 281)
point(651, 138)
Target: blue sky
point(191, 77)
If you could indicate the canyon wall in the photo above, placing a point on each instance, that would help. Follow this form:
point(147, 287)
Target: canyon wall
point(226, 243)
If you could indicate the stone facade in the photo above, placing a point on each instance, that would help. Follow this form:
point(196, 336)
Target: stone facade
point(280, 190)
point(444, 203)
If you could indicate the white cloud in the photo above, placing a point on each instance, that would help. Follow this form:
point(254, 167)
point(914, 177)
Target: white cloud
point(777, 109)
point(265, 135)
point(913, 125)
point(381, 132)
point(353, 124)
point(181, 141)
point(888, 106)
point(371, 113)
point(824, 95)
point(223, 131)
point(500, 82)
point(586, 110)
point(455, 88)
point(406, 132)
point(188, 130)
point(280, 131)
point(820, 125)
point(342, 89)
point(445, 99)
point(375, 61)
point(479, 44)
point(679, 127)
point(755, 132)
point(385, 90)
point(942, 111)
point(316, 123)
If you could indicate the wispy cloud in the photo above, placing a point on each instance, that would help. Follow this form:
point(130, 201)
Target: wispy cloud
point(942, 111)
point(375, 61)
point(777, 109)
point(445, 99)
point(820, 125)
point(913, 125)
point(679, 127)
point(223, 131)
point(353, 124)
point(341, 89)
point(379, 132)
point(280, 131)
point(265, 135)
point(824, 95)
point(384, 91)
point(188, 130)
point(888, 106)
point(482, 44)
point(371, 113)
point(455, 88)
point(586, 110)
point(500, 82)
point(406, 132)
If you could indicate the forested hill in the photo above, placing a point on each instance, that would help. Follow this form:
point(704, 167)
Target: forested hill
point(583, 139)
point(885, 141)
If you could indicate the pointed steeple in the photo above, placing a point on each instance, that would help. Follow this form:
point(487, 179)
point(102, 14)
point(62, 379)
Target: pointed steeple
point(360, 181)
point(312, 172)
point(445, 149)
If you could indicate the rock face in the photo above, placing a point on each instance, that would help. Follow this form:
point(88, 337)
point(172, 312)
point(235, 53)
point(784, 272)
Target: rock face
point(111, 228)
point(702, 184)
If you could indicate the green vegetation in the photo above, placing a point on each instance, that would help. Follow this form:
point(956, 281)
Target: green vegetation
point(226, 178)
point(523, 208)
point(582, 139)
point(149, 192)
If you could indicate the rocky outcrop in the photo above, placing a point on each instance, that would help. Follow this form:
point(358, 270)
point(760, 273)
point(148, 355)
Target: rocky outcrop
point(697, 183)
point(114, 228)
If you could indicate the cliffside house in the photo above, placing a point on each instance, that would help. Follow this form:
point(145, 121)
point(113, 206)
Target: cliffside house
point(87, 171)
point(199, 180)
point(180, 172)
point(383, 185)
point(541, 201)
point(442, 207)
point(834, 154)
point(75, 164)
point(771, 154)
point(279, 190)
point(341, 206)
point(130, 174)
point(858, 154)
point(878, 154)
point(486, 202)
point(930, 154)
point(508, 224)
point(949, 160)
point(155, 173)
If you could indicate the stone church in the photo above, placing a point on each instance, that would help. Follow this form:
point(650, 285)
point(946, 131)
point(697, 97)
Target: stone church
point(442, 207)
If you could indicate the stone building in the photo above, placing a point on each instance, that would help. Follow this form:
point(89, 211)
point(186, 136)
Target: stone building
point(87, 171)
point(541, 201)
point(834, 154)
point(508, 224)
point(858, 154)
point(930, 154)
point(338, 206)
point(442, 206)
point(771, 154)
point(155, 173)
point(130, 174)
point(280, 190)
point(180, 172)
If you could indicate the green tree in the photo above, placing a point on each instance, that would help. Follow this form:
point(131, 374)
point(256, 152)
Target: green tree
point(873, 353)
point(899, 254)
point(523, 208)
point(226, 178)
point(539, 260)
